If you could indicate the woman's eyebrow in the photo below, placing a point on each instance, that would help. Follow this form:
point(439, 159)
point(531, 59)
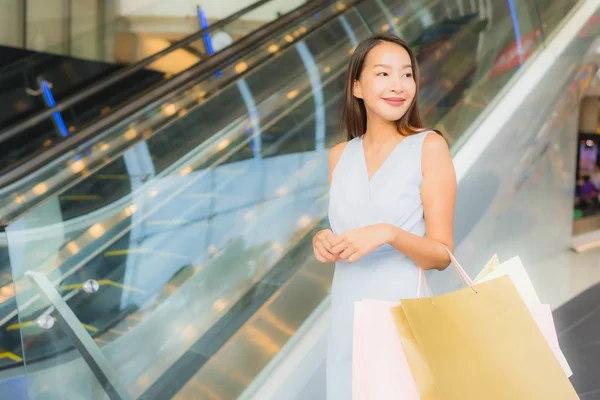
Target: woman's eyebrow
point(389, 67)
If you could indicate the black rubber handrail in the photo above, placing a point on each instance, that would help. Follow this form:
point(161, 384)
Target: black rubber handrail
point(122, 74)
point(199, 71)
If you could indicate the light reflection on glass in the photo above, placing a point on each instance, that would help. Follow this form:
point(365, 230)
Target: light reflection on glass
point(241, 67)
point(130, 134)
point(73, 247)
point(40, 189)
point(169, 109)
point(282, 191)
point(185, 171)
point(77, 166)
point(304, 221)
point(97, 230)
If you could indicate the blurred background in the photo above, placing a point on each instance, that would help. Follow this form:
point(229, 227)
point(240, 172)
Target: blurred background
point(163, 168)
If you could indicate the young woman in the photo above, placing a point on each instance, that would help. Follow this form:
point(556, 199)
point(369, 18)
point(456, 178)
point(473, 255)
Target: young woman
point(392, 195)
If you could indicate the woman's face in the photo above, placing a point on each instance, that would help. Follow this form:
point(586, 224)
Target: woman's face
point(386, 83)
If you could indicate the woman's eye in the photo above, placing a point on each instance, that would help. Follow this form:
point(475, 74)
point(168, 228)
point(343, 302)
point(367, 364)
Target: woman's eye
point(382, 74)
point(408, 75)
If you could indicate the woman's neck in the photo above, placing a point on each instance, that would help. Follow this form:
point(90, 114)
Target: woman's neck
point(380, 132)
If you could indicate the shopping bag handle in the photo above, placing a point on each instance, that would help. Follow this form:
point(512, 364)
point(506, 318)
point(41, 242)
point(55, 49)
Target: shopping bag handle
point(422, 282)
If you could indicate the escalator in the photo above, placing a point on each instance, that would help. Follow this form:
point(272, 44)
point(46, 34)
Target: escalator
point(114, 181)
point(82, 91)
point(83, 198)
point(193, 269)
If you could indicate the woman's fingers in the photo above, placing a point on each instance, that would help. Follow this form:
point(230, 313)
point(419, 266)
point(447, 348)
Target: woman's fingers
point(319, 256)
point(354, 257)
point(339, 247)
point(326, 243)
point(347, 252)
point(337, 240)
point(328, 247)
point(325, 255)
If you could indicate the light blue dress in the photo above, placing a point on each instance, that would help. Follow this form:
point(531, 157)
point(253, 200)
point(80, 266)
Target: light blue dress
point(393, 195)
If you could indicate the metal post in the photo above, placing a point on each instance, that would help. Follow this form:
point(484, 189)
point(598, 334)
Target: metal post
point(86, 346)
point(24, 22)
point(69, 26)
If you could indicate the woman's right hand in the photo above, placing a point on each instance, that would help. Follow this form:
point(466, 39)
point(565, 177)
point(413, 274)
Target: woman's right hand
point(322, 246)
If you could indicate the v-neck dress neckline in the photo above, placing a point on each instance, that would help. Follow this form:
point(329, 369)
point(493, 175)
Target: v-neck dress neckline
point(383, 164)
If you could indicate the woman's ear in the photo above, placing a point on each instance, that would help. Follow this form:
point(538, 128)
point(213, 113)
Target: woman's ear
point(357, 89)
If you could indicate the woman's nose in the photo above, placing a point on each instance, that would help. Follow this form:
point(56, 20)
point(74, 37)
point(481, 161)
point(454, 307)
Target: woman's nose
point(397, 86)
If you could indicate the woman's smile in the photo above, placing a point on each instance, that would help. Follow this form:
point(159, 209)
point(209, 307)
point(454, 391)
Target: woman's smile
point(395, 101)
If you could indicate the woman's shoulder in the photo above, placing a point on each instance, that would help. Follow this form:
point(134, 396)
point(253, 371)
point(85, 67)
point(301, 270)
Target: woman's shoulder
point(434, 141)
point(335, 153)
point(430, 138)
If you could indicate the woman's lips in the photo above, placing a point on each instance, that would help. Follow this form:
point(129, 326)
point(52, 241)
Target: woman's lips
point(395, 101)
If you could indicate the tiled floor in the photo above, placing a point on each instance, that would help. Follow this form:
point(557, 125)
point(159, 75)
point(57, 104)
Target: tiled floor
point(565, 275)
point(578, 327)
point(570, 282)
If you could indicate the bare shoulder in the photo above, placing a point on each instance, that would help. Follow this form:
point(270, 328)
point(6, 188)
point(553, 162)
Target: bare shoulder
point(335, 153)
point(435, 145)
point(436, 157)
point(334, 156)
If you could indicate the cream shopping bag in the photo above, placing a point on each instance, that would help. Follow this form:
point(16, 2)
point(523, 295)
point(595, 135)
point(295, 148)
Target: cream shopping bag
point(542, 313)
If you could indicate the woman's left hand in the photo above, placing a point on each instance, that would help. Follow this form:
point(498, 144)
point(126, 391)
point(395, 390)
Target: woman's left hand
point(356, 243)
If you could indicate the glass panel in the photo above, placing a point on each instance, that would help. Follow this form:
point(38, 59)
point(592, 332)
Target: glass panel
point(48, 133)
point(184, 256)
point(86, 14)
point(164, 112)
point(552, 12)
point(47, 25)
point(89, 60)
point(479, 67)
point(11, 24)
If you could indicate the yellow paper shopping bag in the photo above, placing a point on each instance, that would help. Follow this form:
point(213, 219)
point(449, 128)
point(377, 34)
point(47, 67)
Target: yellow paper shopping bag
point(482, 343)
point(419, 367)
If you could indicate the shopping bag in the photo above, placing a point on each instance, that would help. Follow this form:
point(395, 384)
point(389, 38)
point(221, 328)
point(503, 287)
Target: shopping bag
point(360, 351)
point(375, 350)
point(379, 367)
point(515, 269)
point(420, 371)
point(483, 343)
point(489, 267)
point(542, 313)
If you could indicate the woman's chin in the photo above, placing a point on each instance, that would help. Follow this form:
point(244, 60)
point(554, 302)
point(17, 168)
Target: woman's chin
point(392, 118)
point(388, 116)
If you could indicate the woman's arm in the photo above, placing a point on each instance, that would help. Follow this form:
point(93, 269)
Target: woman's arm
point(438, 193)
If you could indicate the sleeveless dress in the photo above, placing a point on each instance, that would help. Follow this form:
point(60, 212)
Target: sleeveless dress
point(393, 195)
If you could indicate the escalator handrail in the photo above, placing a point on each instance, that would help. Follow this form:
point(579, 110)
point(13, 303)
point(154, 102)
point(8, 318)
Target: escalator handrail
point(206, 68)
point(125, 72)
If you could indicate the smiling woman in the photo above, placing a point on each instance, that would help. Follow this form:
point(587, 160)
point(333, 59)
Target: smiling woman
point(392, 195)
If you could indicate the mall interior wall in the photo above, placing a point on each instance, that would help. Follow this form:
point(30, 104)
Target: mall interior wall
point(215, 10)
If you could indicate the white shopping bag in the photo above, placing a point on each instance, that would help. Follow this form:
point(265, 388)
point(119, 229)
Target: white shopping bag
point(542, 313)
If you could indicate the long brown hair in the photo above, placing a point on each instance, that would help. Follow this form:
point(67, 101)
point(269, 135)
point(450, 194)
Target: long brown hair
point(354, 114)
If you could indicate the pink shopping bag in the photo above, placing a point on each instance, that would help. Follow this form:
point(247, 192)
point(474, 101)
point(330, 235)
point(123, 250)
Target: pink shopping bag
point(380, 370)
